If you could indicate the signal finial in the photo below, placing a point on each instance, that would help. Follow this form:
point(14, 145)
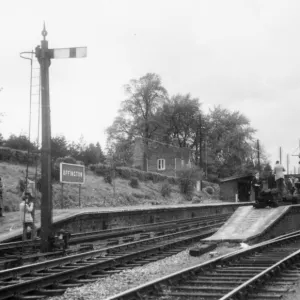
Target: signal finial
point(44, 32)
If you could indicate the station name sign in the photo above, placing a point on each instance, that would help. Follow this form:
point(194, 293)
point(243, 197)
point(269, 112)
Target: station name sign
point(71, 173)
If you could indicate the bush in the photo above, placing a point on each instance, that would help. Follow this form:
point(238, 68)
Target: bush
point(144, 176)
point(56, 166)
point(139, 196)
point(127, 173)
point(186, 186)
point(124, 172)
point(165, 189)
point(7, 208)
point(21, 185)
point(209, 190)
point(107, 178)
point(213, 178)
point(187, 180)
point(134, 183)
point(17, 156)
point(92, 168)
point(101, 169)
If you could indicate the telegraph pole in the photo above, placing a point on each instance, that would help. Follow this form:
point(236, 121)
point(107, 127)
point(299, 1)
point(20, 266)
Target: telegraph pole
point(258, 156)
point(280, 155)
point(44, 56)
point(200, 141)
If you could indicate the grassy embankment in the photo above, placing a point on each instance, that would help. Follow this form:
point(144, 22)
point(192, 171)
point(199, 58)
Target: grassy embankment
point(94, 193)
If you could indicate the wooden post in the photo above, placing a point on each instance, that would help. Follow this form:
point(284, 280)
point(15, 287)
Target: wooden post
point(206, 157)
point(258, 156)
point(62, 196)
point(200, 142)
point(79, 195)
point(280, 154)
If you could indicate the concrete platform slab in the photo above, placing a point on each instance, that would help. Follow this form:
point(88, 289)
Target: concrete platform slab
point(247, 223)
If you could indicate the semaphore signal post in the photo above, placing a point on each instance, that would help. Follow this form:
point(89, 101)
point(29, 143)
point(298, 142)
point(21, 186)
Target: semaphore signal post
point(44, 56)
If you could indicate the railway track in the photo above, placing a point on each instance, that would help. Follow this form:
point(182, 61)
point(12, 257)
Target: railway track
point(110, 234)
point(52, 277)
point(17, 253)
point(245, 274)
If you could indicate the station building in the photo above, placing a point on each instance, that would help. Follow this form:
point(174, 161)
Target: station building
point(161, 158)
point(236, 188)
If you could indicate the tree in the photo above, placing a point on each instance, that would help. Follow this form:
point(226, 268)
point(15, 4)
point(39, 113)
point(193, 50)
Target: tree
point(93, 154)
point(121, 129)
point(99, 153)
point(59, 147)
point(180, 118)
point(74, 149)
point(20, 142)
point(1, 139)
point(120, 138)
point(230, 139)
point(145, 96)
point(122, 152)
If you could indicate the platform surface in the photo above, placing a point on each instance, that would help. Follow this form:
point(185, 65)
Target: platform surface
point(10, 225)
point(247, 222)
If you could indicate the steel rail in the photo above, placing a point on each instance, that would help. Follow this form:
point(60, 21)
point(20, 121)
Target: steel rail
point(157, 285)
point(161, 228)
point(116, 232)
point(13, 259)
point(19, 271)
point(249, 286)
point(150, 225)
point(8, 291)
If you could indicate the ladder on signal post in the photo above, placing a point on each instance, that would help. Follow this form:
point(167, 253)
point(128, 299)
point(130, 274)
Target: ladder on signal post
point(34, 106)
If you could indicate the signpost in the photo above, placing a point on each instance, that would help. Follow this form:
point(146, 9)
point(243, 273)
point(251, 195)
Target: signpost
point(71, 173)
point(44, 56)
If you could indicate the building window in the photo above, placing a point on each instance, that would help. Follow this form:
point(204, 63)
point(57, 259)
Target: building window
point(161, 164)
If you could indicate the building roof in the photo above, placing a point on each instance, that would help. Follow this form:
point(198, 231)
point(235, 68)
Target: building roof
point(235, 177)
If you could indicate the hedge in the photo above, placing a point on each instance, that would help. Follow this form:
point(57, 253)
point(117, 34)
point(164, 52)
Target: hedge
point(14, 155)
point(127, 173)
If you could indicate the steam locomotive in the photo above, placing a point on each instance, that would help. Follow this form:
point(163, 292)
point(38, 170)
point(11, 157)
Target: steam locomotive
point(270, 197)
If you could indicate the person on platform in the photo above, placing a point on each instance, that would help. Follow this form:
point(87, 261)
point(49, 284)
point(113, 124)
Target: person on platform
point(257, 185)
point(26, 209)
point(279, 178)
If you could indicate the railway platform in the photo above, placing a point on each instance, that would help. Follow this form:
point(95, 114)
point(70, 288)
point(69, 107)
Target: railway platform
point(93, 218)
point(251, 225)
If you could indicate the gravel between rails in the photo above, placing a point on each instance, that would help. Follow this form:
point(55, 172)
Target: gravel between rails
point(294, 292)
point(114, 284)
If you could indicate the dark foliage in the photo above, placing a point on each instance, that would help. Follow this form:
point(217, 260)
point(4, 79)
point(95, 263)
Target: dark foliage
point(56, 166)
point(165, 189)
point(108, 178)
point(187, 181)
point(134, 182)
point(20, 142)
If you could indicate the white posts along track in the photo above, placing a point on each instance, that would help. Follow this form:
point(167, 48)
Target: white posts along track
point(53, 277)
point(244, 274)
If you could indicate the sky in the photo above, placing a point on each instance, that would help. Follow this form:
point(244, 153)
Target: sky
point(242, 55)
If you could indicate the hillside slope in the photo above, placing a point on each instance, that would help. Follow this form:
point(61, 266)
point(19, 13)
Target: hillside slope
point(94, 193)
